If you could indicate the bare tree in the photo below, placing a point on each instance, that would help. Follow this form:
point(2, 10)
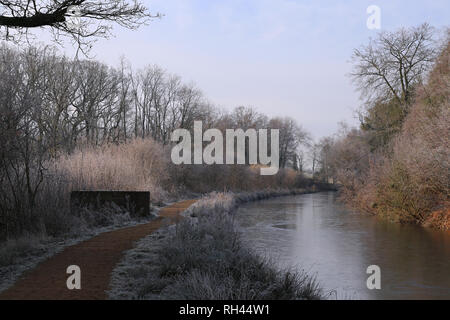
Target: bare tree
point(292, 135)
point(95, 99)
point(125, 99)
point(300, 161)
point(392, 64)
point(325, 158)
point(314, 155)
point(94, 18)
point(189, 98)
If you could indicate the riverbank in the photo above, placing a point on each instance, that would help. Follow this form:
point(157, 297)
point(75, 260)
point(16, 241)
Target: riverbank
point(438, 219)
point(204, 258)
point(20, 256)
point(399, 169)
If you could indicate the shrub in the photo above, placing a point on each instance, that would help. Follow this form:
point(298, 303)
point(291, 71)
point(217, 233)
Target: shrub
point(408, 181)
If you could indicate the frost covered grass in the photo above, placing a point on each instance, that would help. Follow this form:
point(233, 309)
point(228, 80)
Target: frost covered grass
point(204, 258)
point(25, 253)
point(217, 202)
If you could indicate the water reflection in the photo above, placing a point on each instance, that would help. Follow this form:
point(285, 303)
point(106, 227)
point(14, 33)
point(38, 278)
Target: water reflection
point(315, 233)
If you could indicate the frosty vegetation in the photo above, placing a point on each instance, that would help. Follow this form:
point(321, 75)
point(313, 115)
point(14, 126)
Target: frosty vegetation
point(203, 257)
point(397, 163)
point(69, 124)
point(83, 125)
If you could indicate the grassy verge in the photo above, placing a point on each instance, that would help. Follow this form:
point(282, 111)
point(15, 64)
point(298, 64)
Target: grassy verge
point(203, 258)
point(25, 253)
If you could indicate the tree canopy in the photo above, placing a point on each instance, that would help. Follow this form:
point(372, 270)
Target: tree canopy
point(80, 20)
point(387, 72)
point(392, 64)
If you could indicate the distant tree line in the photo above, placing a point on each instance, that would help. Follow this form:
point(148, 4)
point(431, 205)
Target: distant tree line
point(58, 104)
point(52, 106)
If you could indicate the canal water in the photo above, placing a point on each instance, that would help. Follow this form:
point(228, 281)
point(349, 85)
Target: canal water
point(315, 233)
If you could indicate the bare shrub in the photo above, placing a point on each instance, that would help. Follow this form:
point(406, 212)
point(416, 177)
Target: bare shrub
point(134, 166)
point(416, 181)
point(409, 181)
point(237, 178)
point(13, 249)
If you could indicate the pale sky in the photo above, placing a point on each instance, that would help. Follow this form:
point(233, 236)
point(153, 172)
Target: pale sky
point(285, 58)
